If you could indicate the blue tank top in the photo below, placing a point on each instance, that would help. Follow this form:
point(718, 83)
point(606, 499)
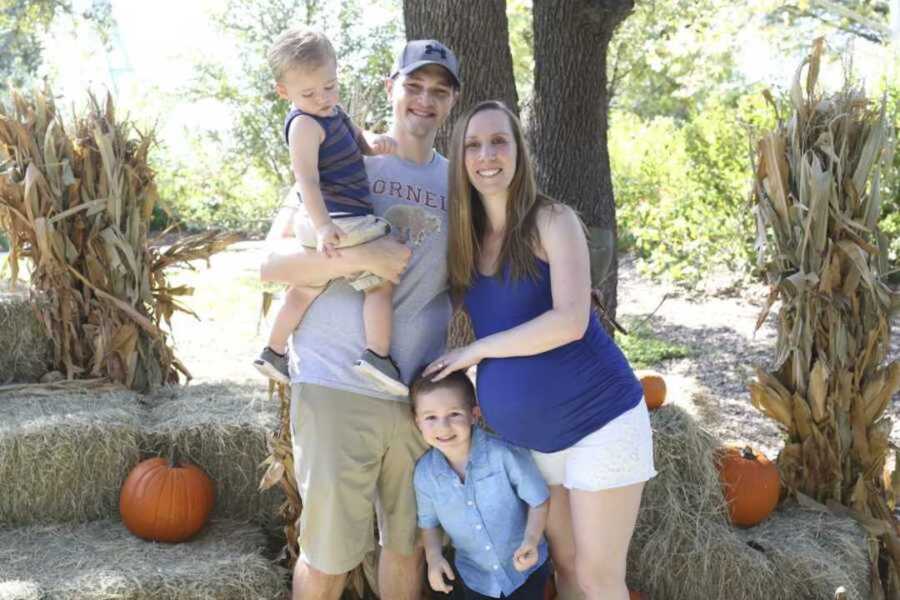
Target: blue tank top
point(342, 172)
point(546, 401)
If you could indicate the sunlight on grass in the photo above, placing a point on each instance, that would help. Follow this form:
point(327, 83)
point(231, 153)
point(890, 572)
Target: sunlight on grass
point(643, 349)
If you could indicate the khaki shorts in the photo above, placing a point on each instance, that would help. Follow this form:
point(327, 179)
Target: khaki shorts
point(353, 457)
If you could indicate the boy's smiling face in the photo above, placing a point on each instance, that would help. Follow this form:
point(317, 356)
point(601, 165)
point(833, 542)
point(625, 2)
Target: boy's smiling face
point(445, 419)
point(313, 90)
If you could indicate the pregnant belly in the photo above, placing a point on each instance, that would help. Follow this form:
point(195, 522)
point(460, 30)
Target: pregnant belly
point(535, 401)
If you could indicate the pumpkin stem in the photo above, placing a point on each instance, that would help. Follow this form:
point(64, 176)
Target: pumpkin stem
point(173, 457)
point(747, 453)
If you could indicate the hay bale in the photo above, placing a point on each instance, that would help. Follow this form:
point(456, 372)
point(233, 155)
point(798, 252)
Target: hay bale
point(26, 352)
point(685, 548)
point(221, 427)
point(102, 560)
point(64, 457)
point(816, 551)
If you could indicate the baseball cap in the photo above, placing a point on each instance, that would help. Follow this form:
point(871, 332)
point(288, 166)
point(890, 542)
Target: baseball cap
point(418, 53)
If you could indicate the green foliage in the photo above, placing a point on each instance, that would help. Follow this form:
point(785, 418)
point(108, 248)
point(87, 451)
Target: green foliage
point(206, 191)
point(682, 188)
point(4, 243)
point(669, 56)
point(866, 19)
point(644, 350)
point(521, 45)
point(23, 23)
point(890, 188)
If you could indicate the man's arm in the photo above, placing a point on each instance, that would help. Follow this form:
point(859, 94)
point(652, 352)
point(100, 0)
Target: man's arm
point(288, 262)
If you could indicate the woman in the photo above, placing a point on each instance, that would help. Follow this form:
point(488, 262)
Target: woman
point(549, 377)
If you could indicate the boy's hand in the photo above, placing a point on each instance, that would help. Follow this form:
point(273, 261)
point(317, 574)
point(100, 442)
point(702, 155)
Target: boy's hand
point(525, 556)
point(437, 569)
point(328, 237)
point(383, 144)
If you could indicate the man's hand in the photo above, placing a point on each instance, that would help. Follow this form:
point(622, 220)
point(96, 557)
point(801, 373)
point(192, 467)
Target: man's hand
point(437, 569)
point(525, 556)
point(383, 144)
point(387, 258)
point(328, 236)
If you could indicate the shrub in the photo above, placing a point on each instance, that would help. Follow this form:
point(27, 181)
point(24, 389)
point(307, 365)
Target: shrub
point(682, 187)
point(212, 189)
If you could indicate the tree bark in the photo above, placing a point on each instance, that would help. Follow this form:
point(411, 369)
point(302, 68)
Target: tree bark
point(478, 33)
point(567, 123)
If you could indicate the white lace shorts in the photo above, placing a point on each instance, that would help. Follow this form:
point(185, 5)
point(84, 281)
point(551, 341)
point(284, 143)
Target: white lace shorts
point(618, 454)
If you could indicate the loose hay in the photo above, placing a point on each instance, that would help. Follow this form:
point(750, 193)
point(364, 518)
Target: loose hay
point(103, 561)
point(64, 458)
point(25, 349)
point(685, 548)
point(222, 428)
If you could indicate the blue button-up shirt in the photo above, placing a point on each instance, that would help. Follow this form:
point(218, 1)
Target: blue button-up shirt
point(484, 516)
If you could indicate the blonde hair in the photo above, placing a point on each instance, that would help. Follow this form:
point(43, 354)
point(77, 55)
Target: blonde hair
point(467, 216)
point(299, 48)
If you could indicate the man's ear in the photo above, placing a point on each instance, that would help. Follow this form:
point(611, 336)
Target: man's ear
point(476, 412)
point(389, 87)
point(281, 90)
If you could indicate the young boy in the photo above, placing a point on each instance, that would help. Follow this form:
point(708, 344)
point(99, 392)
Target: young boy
point(487, 495)
point(326, 151)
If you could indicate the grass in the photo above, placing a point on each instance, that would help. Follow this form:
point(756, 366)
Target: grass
point(643, 349)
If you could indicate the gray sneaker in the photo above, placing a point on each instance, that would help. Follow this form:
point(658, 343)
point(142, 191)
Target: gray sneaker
point(383, 371)
point(273, 366)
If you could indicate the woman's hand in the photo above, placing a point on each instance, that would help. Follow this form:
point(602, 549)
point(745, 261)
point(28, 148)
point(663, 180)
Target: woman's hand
point(455, 360)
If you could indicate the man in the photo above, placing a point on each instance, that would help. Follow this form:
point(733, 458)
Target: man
point(355, 446)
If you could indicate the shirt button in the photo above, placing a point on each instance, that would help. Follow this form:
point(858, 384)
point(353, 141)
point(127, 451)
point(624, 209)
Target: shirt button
point(469, 503)
point(496, 567)
point(478, 527)
point(488, 547)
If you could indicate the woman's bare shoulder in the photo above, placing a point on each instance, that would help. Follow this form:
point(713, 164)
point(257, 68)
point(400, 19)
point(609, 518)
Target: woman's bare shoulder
point(558, 219)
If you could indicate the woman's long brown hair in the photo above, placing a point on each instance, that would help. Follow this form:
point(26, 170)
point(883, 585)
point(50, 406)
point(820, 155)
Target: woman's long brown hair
point(468, 219)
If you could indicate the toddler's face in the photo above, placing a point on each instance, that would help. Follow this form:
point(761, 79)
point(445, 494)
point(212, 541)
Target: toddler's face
point(445, 419)
point(312, 90)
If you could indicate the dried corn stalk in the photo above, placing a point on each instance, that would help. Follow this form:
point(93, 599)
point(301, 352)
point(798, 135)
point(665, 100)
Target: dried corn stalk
point(77, 204)
point(280, 471)
point(817, 208)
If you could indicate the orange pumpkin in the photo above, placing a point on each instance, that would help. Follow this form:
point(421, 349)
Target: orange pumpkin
point(654, 389)
point(166, 500)
point(632, 595)
point(751, 485)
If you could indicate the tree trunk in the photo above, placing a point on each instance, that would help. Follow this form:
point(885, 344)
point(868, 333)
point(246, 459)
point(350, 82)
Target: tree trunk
point(478, 34)
point(567, 123)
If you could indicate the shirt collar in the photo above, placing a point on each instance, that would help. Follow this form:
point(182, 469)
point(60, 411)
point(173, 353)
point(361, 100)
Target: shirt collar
point(477, 453)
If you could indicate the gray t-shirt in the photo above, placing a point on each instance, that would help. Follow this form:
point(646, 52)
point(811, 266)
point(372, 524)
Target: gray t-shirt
point(413, 198)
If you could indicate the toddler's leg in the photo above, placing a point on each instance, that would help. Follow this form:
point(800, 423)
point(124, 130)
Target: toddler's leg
point(272, 361)
point(378, 317)
point(376, 362)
